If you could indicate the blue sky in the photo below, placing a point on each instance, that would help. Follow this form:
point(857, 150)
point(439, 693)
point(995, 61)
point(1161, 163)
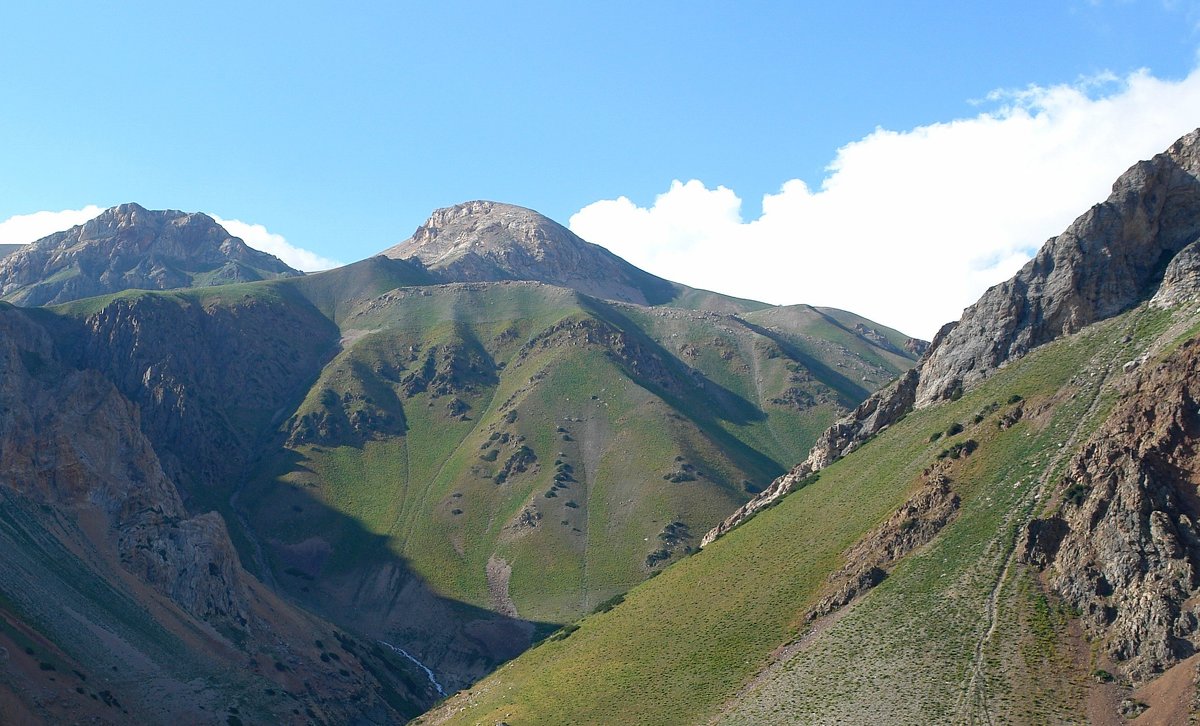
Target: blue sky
point(339, 129)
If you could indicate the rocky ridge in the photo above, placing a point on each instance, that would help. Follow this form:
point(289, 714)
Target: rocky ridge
point(1110, 258)
point(1137, 243)
point(130, 247)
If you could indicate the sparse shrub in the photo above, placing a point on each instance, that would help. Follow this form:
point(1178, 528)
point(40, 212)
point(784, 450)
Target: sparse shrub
point(935, 436)
point(1076, 493)
point(1015, 398)
point(564, 632)
point(609, 604)
point(955, 428)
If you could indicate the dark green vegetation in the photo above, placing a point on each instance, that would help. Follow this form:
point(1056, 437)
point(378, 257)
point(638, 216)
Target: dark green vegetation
point(455, 464)
point(958, 630)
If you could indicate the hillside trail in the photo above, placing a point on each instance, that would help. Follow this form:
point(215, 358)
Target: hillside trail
point(1108, 363)
point(973, 707)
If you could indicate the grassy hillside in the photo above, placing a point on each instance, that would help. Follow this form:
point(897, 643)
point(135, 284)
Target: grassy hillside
point(580, 444)
point(722, 635)
point(464, 465)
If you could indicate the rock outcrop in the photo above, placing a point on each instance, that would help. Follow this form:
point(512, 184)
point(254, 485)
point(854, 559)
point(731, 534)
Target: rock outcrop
point(489, 241)
point(1116, 255)
point(1181, 280)
point(913, 525)
point(1109, 259)
point(129, 247)
point(880, 410)
point(1124, 548)
point(68, 439)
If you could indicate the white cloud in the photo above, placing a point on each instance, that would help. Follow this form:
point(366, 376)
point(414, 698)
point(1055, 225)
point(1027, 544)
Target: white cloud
point(24, 228)
point(910, 227)
point(260, 238)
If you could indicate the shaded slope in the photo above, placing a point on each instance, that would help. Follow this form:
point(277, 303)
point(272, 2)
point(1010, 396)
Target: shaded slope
point(116, 604)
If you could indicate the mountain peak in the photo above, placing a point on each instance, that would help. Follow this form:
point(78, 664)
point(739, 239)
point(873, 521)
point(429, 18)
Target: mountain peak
point(490, 241)
point(131, 247)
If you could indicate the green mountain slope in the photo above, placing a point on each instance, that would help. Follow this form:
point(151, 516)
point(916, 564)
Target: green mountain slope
point(724, 635)
point(1005, 535)
point(460, 467)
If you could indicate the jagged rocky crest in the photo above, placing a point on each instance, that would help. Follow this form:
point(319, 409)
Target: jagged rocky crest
point(1109, 259)
point(1139, 242)
point(488, 241)
point(130, 247)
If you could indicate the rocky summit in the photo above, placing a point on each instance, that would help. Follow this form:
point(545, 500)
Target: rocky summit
point(489, 241)
point(130, 247)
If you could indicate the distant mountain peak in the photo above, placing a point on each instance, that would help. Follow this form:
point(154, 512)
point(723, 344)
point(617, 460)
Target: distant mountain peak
point(131, 247)
point(490, 241)
point(482, 227)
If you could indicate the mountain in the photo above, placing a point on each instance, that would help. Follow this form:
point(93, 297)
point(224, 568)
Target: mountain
point(388, 455)
point(129, 247)
point(464, 466)
point(483, 241)
point(1006, 534)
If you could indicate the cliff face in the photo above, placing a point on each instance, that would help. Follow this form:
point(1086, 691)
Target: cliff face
point(129, 247)
point(209, 378)
point(488, 241)
point(1108, 260)
point(93, 529)
point(1124, 549)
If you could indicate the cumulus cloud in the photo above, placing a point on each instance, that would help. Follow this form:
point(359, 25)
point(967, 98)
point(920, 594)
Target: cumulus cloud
point(260, 238)
point(24, 228)
point(909, 227)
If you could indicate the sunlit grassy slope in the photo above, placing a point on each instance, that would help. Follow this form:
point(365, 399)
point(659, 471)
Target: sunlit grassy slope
point(577, 445)
point(682, 647)
point(583, 443)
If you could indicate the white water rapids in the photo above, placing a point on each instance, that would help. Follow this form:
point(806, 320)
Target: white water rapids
point(429, 673)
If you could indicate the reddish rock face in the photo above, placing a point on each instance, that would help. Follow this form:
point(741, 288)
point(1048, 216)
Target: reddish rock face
point(1125, 549)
